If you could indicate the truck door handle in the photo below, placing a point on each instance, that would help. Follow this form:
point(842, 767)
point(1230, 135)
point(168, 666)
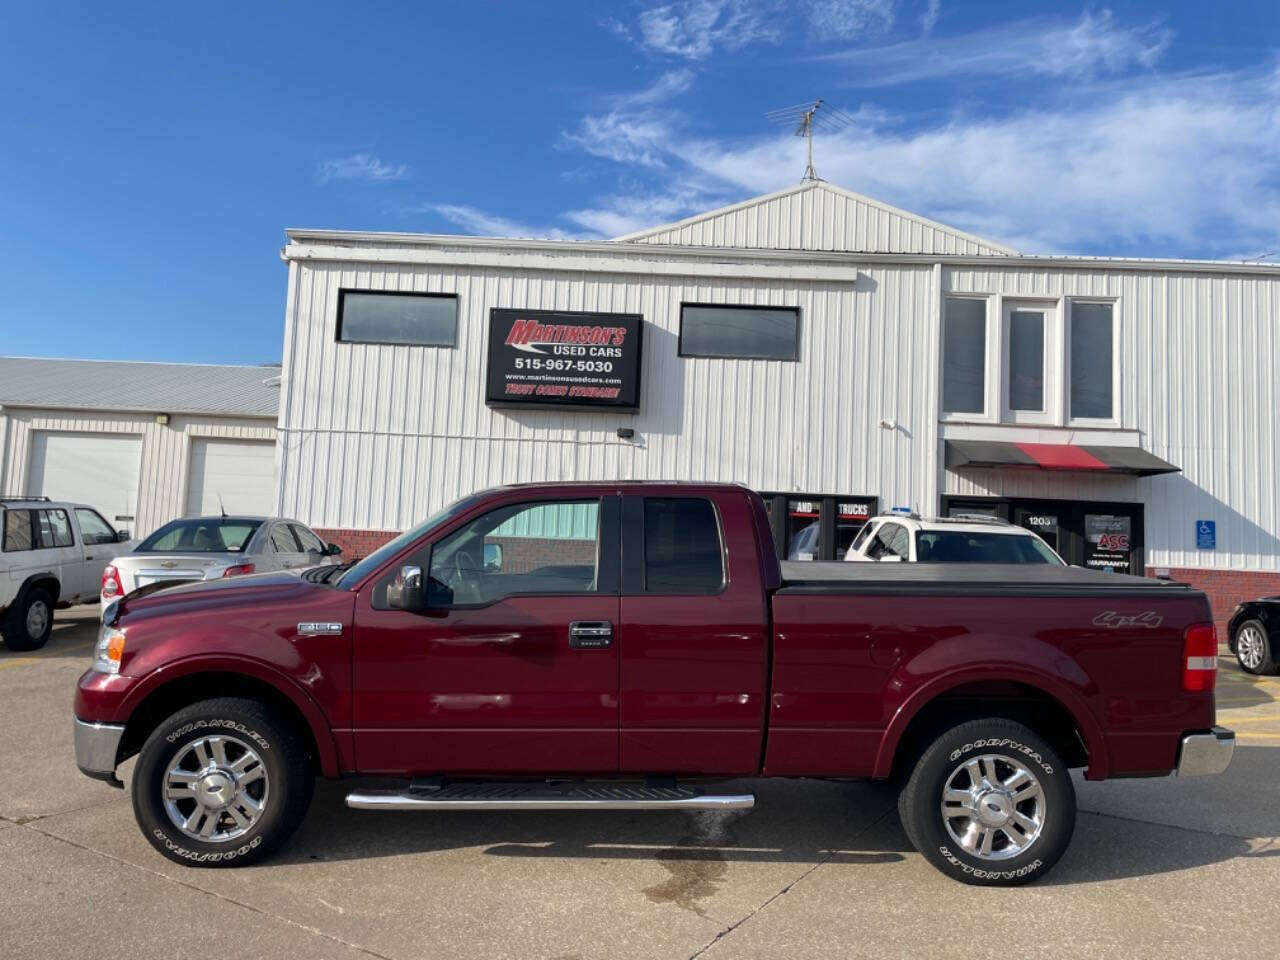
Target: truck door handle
point(590, 634)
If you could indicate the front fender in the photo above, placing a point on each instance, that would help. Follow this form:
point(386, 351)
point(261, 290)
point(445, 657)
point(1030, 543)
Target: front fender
point(321, 729)
point(972, 659)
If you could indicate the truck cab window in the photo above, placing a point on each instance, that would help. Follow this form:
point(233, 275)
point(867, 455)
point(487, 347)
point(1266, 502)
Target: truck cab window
point(683, 552)
point(528, 548)
point(891, 540)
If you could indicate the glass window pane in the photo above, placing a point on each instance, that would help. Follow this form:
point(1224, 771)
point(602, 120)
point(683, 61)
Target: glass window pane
point(282, 539)
point(964, 356)
point(682, 549)
point(1026, 360)
point(365, 317)
point(803, 527)
point(93, 528)
point(17, 530)
point(1091, 360)
point(528, 548)
point(851, 519)
point(55, 529)
point(308, 540)
point(749, 333)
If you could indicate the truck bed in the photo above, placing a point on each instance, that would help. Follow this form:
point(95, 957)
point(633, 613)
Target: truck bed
point(965, 579)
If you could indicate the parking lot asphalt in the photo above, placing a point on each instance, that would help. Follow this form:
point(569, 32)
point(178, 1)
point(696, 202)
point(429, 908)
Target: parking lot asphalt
point(1158, 868)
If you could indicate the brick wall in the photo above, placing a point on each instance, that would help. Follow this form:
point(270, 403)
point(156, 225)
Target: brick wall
point(1226, 588)
point(355, 543)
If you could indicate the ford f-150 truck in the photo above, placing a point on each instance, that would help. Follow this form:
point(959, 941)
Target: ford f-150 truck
point(625, 646)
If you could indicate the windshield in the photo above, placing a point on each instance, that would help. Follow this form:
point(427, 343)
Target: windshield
point(956, 546)
point(201, 535)
point(388, 550)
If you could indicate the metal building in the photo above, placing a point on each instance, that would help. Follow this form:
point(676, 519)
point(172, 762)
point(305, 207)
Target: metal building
point(834, 353)
point(142, 443)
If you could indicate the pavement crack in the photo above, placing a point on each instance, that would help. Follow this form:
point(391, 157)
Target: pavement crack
point(213, 893)
point(787, 889)
point(1168, 826)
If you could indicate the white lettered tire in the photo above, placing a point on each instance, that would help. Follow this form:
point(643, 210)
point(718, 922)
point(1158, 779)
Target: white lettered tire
point(221, 783)
point(990, 803)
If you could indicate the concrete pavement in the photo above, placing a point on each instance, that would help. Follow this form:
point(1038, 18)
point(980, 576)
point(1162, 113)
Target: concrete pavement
point(1185, 868)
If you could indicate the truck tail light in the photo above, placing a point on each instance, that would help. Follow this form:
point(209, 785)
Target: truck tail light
point(238, 570)
point(1199, 657)
point(111, 585)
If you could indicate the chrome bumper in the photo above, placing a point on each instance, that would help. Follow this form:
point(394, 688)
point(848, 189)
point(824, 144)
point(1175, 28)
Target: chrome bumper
point(1207, 753)
point(97, 745)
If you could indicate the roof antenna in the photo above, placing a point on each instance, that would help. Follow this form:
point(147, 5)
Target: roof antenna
point(805, 117)
point(221, 507)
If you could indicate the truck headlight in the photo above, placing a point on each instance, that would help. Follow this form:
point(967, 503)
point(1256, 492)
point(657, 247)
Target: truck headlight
point(110, 648)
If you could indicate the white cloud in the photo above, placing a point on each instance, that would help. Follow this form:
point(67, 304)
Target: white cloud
point(694, 29)
point(849, 19)
point(361, 166)
point(1178, 166)
point(1095, 44)
point(929, 19)
point(479, 223)
point(638, 125)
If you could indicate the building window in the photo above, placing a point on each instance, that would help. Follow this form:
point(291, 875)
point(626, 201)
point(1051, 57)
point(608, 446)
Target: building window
point(1092, 348)
point(1026, 360)
point(964, 356)
point(740, 332)
point(419, 319)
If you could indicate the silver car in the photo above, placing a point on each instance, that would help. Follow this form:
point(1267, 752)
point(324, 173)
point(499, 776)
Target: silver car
point(208, 548)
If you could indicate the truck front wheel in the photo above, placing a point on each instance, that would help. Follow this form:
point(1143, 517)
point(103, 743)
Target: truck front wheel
point(221, 783)
point(990, 803)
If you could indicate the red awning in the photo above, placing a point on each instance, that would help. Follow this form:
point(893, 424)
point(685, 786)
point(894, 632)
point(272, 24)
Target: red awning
point(1056, 456)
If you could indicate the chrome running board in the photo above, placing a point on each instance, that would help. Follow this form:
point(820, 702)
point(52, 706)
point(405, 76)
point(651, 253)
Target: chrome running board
point(541, 796)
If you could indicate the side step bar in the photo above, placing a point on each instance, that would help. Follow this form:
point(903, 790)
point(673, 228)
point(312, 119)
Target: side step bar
point(539, 796)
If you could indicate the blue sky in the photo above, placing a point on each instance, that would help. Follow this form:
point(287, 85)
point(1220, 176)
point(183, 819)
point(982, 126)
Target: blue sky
point(151, 155)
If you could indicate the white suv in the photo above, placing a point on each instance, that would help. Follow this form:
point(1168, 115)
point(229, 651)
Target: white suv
point(964, 539)
point(51, 555)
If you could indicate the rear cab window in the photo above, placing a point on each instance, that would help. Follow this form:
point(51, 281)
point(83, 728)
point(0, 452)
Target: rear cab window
point(683, 546)
point(18, 533)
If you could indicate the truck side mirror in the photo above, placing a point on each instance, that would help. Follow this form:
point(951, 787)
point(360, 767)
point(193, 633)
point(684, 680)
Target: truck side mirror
point(405, 591)
point(123, 536)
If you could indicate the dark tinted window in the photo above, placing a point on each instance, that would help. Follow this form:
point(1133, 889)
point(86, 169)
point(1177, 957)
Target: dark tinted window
point(682, 549)
point(1091, 361)
point(948, 546)
point(747, 333)
point(964, 356)
point(429, 320)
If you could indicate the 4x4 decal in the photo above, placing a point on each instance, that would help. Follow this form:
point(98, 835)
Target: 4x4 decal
point(1113, 621)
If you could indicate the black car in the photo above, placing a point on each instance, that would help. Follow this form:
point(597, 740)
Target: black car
point(1253, 635)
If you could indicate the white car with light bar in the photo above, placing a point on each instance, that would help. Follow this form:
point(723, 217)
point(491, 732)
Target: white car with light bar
point(903, 536)
point(209, 548)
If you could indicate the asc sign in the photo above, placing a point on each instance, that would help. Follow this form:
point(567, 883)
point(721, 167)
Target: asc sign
point(550, 358)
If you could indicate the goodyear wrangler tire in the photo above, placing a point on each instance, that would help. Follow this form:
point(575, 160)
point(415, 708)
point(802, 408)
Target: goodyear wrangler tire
point(990, 803)
point(221, 783)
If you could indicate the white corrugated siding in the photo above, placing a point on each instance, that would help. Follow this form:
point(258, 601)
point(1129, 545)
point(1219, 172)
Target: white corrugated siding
point(165, 451)
point(377, 437)
point(818, 216)
point(1198, 382)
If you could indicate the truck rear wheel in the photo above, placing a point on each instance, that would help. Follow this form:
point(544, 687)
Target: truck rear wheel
point(29, 623)
point(990, 803)
point(221, 783)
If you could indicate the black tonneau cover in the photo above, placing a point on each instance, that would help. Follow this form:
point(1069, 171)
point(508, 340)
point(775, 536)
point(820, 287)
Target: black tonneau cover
point(914, 579)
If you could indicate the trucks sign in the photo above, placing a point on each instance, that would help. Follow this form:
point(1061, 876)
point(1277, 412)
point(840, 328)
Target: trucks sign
point(563, 359)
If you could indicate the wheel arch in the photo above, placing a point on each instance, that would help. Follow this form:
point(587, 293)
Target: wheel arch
point(170, 692)
point(1044, 706)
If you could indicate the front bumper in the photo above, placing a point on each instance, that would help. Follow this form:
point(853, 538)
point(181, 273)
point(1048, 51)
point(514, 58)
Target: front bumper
point(1203, 754)
point(97, 746)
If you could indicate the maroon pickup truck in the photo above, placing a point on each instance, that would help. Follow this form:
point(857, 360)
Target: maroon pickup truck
point(623, 646)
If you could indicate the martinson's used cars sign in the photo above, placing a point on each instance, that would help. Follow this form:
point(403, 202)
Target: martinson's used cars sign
point(561, 359)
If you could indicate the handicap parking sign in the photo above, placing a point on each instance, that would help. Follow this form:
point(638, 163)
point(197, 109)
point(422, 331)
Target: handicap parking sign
point(1206, 534)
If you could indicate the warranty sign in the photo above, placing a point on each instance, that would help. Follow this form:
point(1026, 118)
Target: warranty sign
point(563, 359)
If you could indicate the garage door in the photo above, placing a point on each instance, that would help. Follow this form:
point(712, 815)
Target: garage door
point(100, 469)
point(240, 472)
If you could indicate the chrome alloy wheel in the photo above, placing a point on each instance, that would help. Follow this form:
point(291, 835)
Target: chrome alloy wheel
point(215, 788)
point(37, 619)
point(993, 806)
point(1250, 644)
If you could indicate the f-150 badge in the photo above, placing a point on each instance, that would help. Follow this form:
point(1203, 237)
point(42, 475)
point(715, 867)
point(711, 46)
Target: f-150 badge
point(319, 629)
